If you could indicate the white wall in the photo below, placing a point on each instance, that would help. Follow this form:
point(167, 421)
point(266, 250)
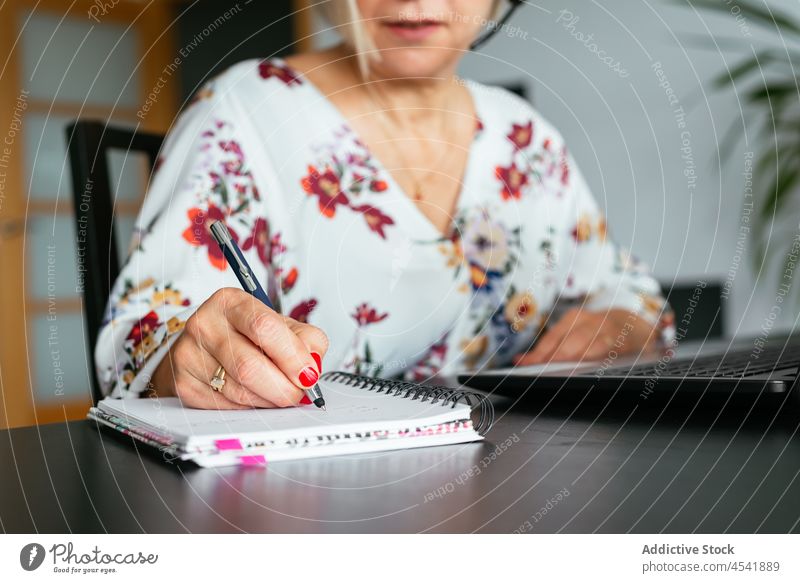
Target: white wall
point(625, 135)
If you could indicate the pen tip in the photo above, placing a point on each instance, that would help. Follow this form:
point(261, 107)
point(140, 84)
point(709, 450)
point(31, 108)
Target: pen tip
point(324, 408)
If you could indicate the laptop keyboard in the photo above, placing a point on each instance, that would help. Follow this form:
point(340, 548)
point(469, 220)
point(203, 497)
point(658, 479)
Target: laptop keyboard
point(735, 364)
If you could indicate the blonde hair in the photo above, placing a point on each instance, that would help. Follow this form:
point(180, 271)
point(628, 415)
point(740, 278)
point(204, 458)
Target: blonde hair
point(345, 17)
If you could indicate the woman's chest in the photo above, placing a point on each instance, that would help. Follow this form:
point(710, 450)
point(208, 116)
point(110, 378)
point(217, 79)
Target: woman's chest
point(348, 213)
point(348, 224)
point(428, 168)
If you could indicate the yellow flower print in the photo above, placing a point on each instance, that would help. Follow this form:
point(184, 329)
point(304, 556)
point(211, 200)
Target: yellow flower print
point(520, 310)
point(602, 228)
point(478, 276)
point(453, 253)
point(205, 92)
point(473, 348)
point(166, 296)
point(583, 229)
point(651, 304)
point(175, 324)
point(127, 377)
point(144, 284)
point(145, 347)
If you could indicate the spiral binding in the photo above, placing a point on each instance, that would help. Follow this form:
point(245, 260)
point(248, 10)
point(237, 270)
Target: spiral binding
point(405, 390)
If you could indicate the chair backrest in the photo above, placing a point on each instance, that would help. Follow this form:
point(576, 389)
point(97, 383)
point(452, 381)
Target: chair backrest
point(89, 143)
point(699, 309)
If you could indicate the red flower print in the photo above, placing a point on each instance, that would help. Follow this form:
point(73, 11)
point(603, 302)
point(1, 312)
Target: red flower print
point(276, 246)
point(232, 146)
point(232, 167)
point(260, 240)
point(288, 282)
point(513, 180)
point(144, 326)
point(521, 135)
point(268, 69)
point(431, 363)
point(564, 167)
point(366, 315)
point(198, 234)
point(478, 125)
point(302, 310)
point(438, 350)
point(377, 186)
point(376, 220)
point(327, 187)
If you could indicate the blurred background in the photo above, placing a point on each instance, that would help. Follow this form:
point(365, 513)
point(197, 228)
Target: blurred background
point(683, 116)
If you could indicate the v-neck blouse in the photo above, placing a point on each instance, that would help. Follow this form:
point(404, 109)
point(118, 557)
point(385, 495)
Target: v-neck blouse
point(330, 114)
point(339, 245)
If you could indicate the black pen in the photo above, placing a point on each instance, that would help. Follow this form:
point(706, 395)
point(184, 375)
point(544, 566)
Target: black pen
point(250, 284)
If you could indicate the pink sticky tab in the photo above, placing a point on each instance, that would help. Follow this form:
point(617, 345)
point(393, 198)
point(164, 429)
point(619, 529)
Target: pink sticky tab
point(224, 444)
point(253, 460)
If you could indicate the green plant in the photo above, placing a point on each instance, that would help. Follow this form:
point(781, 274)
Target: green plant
point(767, 83)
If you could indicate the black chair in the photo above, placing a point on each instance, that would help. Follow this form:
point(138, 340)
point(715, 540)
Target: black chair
point(88, 145)
point(699, 312)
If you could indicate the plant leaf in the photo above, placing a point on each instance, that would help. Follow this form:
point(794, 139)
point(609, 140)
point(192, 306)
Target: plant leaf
point(772, 92)
point(773, 99)
point(742, 69)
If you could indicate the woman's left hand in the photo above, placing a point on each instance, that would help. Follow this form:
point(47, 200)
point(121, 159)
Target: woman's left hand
point(586, 335)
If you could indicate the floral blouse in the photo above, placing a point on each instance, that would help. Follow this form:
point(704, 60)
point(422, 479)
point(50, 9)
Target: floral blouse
point(337, 243)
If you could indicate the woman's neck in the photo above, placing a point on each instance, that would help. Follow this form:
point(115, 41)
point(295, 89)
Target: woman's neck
point(410, 100)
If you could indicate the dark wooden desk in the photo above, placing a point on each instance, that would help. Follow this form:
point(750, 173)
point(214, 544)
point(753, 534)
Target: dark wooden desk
point(650, 471)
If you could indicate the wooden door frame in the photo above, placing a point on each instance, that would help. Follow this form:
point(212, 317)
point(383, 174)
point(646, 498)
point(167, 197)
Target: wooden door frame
point(155, 24)
point(16, 403)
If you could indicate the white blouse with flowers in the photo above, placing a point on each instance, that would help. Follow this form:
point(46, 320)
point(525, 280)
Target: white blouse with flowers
point(337, 243)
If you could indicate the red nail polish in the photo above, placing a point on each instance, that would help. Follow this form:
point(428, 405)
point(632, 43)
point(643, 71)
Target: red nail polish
point(305, 400)
point(308, 376)
point(318, 359)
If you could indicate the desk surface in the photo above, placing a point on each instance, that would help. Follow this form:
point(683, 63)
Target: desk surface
point(631, 470)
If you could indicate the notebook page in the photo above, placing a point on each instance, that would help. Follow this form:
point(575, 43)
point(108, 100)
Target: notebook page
point(348, 409)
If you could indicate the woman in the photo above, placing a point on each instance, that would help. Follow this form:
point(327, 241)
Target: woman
point(404, 222)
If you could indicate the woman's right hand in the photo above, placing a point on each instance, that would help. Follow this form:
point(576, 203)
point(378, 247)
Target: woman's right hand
point(269, 359)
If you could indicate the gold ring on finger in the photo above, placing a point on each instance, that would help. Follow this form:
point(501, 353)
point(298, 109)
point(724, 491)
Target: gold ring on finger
point(218, 380)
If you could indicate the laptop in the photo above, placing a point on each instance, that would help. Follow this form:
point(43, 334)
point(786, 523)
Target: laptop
point(752, 367)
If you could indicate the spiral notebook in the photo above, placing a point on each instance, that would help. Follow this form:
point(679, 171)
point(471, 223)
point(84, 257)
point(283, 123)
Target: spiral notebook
point(363, 415)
